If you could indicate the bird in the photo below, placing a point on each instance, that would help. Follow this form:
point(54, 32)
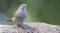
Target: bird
point(20, 15)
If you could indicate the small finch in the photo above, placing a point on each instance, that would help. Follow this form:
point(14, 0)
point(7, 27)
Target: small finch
point(20, 15)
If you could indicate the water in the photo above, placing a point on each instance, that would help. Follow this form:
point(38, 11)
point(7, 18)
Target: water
point(2, 18)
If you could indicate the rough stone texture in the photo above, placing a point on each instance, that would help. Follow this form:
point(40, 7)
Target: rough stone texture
point(31, 27)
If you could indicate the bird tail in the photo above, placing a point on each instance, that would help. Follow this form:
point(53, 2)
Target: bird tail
point(10, 19)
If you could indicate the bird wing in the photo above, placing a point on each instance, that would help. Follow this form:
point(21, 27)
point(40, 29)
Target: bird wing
point(14, 14)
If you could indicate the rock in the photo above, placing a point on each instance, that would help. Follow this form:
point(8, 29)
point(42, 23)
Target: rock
point(30, 27)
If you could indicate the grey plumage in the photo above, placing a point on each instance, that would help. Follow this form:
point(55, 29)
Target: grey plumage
point(21, 14)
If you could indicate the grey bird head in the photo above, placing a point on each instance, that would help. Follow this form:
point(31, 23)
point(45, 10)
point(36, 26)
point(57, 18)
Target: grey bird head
point(23, 6)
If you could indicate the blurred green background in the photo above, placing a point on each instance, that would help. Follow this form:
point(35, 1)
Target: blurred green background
point(38, 10)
